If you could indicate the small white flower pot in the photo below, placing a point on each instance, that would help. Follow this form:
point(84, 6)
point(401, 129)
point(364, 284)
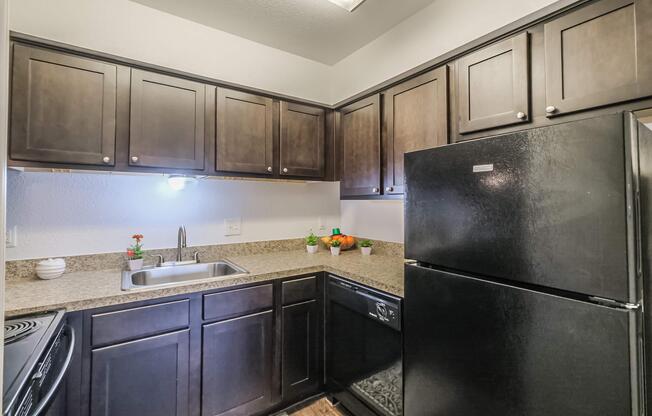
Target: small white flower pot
point(136, 264)
point(366, 251)
point(312, 249)
point(335, 251)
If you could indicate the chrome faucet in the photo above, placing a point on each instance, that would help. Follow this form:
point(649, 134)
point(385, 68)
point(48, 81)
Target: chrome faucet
point(181, 242)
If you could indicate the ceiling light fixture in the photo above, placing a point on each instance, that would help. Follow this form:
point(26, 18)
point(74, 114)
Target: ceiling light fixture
point(349, 5)
point(178, 182)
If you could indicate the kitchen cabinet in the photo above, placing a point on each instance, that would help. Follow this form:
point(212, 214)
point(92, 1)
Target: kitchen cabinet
point(237, 358)
point(301, 352)
point(63, 108)
point(166, 121)
point(415, 117)
point(493, 85)
point(360, 148)
point(302, 151)
point(598, 55)
point(245, 133)
point(147, 377)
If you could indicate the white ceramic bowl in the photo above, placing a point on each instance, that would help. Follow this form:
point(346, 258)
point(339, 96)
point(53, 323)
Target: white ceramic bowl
point(50, 268)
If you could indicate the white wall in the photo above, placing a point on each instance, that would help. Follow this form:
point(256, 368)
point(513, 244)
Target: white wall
point(82, 213)
point(431, 32)
point(134, 31)
point(377, 220)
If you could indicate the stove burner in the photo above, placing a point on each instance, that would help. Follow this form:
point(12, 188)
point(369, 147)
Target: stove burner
point(20, 329)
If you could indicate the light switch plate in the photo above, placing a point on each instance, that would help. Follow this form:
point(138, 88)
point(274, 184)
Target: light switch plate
point(11, 239)
point(232, 226)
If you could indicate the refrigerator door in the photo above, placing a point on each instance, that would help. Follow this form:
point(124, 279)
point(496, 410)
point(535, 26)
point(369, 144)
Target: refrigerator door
point(477, 348)
point(546, 206)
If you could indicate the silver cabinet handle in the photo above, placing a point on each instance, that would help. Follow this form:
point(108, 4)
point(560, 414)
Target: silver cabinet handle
point(389, 189)
point(374, 190)
point(134, 159)
point(551, 109)
point(269, 168)
point(520, 115)
point(285, 170)
point(106, 159)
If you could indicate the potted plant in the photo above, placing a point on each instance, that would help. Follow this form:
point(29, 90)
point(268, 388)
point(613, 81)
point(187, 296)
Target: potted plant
point(311, 243)
point(135, 253)
point(335, 247)
point(365, 247)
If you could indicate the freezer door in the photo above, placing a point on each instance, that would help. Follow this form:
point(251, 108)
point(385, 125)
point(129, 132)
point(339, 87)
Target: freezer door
point(477, 348)
point(545, 206)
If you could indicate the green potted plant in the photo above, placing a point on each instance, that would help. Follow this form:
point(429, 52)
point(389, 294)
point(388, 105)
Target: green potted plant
point(365, 247)
point(135, 253)
point(335, 247)
point(311, 243)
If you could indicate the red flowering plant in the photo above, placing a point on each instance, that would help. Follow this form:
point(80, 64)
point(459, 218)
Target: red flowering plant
point(135, 252)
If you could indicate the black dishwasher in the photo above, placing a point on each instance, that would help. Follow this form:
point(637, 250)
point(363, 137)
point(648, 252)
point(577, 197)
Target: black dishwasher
point(363, 341)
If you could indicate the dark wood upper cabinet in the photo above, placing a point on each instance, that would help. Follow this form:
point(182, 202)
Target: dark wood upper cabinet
point(167, 121)
point(237, 366)
point(599, 55)
point(245, 132)
point(493, 85)
point(302, 140)
point(148, 377)
point(360, 148)
point(415, 117)
point(63, 108)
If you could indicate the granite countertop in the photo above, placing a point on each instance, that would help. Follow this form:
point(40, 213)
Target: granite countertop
point(92, 289)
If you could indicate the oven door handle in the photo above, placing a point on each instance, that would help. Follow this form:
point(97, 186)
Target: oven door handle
point(45, 401)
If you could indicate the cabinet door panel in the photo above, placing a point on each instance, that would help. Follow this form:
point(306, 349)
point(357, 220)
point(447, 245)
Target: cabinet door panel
point(63, 108)
point(415, 118)
point(237, 365)
point(148, 377)
point(599, 55)
point(167, 121)
point(300, 360)
point(302, 140)
point(360, 148)
point(245, 132)
point(493, 85)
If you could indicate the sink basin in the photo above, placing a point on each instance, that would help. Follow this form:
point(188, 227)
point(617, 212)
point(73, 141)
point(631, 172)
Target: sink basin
point(171, 275)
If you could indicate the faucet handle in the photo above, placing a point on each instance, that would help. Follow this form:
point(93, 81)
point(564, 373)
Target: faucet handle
point(195, 256)
point(160, 260)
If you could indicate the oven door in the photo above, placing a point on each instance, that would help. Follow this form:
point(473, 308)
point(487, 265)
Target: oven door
point(364, 354)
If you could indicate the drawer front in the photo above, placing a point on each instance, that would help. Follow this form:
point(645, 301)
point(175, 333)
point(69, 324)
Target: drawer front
point(237, 302)
point(299, 290)
point(123, 325)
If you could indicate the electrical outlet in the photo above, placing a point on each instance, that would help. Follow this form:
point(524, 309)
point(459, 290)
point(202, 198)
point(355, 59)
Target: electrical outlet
point(232, 226)
point(11, 239)
point(320, 224)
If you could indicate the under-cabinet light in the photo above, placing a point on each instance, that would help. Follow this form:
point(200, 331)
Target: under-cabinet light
point(349, 5)
point(178, 182)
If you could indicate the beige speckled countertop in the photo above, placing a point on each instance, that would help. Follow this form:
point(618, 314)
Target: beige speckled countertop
point(91, 289)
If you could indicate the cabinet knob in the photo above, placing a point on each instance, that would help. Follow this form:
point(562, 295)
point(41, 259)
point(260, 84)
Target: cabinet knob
point(551, 109)
point(389, 189)
point(285, 170)
point(520, 115)
point(269, 168)
point(374, 190)
point(106, 159)
point(134, 159)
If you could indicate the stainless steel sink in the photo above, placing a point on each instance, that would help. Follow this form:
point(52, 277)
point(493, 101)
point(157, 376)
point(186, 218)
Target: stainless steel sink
point(172, 275)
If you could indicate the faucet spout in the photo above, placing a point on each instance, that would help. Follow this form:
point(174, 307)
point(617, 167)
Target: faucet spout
point(181, 242)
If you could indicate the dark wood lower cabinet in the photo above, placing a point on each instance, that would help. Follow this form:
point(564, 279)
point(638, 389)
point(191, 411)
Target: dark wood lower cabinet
point(237, 363)
point(147, 377)
point(301, 352)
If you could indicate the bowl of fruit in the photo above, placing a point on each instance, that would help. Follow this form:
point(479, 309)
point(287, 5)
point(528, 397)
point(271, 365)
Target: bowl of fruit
point(346, 241)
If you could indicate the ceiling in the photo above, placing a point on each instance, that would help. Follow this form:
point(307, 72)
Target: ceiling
point(315, 29)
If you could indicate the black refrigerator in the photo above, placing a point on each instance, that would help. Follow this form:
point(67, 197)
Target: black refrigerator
point(527, 294)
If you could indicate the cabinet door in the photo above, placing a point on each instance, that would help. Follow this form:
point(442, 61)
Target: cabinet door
point(493, 85)
point(599, 55)
point(63, 108)
point(237, 365)
point(360, 148)
point(415, 118)
point(245, 132)
point(167, 121)
point(148, 377)
point(300, 357)
point(302, 140)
